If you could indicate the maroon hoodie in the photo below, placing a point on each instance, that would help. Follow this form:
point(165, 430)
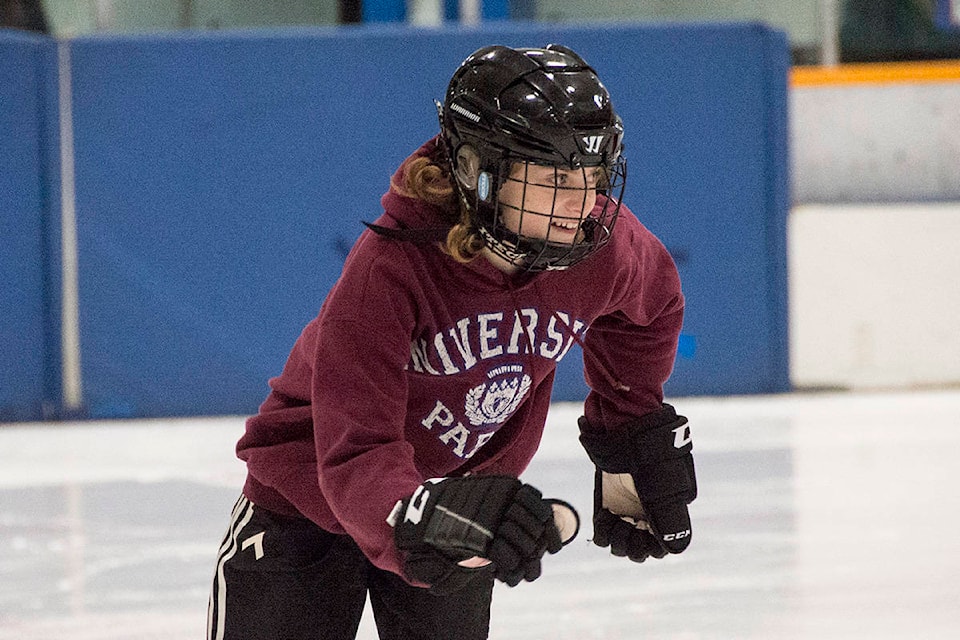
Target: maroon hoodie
point(418, 367)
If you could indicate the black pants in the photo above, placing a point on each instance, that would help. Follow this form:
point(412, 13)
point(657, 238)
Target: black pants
point(287, 579)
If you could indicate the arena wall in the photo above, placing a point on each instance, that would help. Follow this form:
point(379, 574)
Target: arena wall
point(221, 177)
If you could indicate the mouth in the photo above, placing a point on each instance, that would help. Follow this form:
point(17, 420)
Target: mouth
point(565, 225)
point(563, 230)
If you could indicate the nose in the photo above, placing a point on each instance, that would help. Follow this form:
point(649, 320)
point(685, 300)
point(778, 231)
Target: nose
point(578, 197)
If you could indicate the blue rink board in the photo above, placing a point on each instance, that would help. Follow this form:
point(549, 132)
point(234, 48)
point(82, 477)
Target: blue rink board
point(222, 177)
point(28, 361)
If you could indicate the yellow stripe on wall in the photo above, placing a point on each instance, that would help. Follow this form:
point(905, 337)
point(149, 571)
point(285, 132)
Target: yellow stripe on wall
point(877, 73)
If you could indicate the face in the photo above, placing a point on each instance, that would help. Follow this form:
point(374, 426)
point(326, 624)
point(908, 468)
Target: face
point(548, 203)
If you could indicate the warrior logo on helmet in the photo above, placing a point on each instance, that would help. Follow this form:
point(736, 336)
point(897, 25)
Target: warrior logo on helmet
point(592, 144)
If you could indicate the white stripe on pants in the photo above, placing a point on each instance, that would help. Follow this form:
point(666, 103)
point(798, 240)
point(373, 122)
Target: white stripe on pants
point(217, 609)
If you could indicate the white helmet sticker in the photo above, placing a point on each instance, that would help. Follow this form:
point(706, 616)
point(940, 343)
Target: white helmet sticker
point(483, 186)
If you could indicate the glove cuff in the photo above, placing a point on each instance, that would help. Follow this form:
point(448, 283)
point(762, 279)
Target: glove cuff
point(653, 438)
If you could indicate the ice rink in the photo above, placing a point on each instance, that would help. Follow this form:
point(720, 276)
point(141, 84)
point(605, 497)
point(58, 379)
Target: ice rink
point(820, 516)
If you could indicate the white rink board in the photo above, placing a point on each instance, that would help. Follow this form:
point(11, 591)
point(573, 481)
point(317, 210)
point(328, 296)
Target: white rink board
point(888, 142)
point(874, 295)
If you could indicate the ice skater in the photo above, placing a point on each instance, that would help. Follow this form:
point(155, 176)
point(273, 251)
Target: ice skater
point(385, 460)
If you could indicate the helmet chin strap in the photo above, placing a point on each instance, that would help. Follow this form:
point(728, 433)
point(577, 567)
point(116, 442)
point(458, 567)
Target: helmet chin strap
point(537, 255)
point(505, 251)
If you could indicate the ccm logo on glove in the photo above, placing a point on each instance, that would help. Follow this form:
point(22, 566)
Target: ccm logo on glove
point(414, 512)
point(681, 437)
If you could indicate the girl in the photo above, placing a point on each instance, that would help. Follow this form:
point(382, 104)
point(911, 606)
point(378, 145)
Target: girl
point(385, 459)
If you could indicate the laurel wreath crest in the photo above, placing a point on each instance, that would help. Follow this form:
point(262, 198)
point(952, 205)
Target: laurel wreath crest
point(494, 402)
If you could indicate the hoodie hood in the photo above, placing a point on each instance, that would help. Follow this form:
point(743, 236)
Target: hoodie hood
point(411, 213)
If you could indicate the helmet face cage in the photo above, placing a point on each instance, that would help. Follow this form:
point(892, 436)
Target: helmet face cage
point(539, 232)
point(523, 110)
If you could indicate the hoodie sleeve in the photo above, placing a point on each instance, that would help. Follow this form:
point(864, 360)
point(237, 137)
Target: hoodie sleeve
point(359, 398)
point(630, 349)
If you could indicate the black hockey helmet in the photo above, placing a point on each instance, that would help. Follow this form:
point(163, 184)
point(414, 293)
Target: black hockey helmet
point(541, 106)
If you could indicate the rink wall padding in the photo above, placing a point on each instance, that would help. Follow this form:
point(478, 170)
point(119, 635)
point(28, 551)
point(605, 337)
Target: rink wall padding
point(28, 375)
point(222, 177)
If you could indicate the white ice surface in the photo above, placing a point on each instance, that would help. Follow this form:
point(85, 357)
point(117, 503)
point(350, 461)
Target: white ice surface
point(821, 517)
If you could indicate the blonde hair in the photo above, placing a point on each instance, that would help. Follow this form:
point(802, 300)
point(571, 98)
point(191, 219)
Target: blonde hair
point(427, 178)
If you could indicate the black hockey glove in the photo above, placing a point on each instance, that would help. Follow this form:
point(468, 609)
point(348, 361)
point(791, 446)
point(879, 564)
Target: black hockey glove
point(644, 480)
point(449, 520)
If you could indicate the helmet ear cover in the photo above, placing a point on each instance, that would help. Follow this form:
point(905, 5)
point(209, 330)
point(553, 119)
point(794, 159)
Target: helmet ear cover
point(466, 167)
